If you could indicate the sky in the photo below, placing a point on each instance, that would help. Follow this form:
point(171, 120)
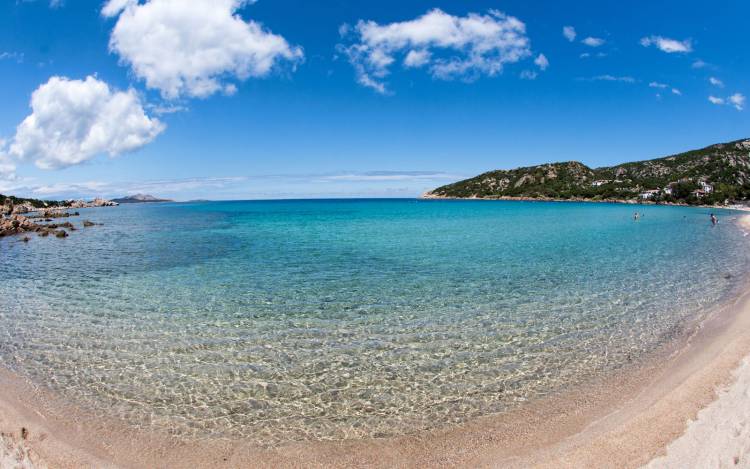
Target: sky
point(232, 99)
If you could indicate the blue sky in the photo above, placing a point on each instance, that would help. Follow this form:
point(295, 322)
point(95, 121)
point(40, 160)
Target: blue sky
point(227, 99)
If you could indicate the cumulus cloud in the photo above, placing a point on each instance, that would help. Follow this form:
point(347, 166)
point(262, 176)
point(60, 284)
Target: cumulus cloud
point(192, 48)
point(738, 101)
point(7, 167)
point(593, 41)
point(569, 32)
point(417, 58)
point(716, 82)
point(528, 75)
point(541, 62)
point(665, 44)
point(449, 47)
point(73, 121)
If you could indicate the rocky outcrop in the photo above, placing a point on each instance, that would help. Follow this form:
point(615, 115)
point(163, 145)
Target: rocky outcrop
point(94, 203)
point(18, 224)
point(54, 213)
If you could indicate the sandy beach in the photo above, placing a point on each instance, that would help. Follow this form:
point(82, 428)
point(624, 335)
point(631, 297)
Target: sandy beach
point(688, 406)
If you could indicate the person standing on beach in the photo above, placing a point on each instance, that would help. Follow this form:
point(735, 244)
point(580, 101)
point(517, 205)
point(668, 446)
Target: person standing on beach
point(714, 220)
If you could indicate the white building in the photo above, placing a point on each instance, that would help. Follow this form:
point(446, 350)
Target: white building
point(648, 194)
point(706, 187)
point(600, 182)
point(667, 190)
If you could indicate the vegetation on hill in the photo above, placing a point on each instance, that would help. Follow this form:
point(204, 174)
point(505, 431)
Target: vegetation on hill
point(716, 174)
point(34, 202)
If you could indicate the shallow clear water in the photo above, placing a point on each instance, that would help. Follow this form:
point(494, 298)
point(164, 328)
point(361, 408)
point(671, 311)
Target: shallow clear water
point(291, 320)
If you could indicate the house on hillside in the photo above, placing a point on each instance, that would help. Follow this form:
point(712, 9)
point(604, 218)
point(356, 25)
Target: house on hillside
point(650, 194)
point(706, 187)
point(600, 182)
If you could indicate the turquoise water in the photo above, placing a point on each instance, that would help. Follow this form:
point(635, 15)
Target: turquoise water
point(290, 320)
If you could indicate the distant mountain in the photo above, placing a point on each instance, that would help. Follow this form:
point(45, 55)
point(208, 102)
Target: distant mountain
point(139, 199)
point(716, 174)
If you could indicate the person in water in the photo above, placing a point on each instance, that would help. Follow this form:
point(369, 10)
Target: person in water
point(636, 216)
point(714, 220)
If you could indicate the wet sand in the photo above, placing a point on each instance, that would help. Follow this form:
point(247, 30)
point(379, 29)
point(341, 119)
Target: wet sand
point(658, 409)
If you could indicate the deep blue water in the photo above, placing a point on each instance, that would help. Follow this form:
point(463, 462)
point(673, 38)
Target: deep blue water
point(279, 320)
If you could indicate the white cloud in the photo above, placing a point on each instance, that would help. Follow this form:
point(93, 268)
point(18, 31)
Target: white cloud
point(17, 56)
point(625, 79)
point(161, 109)
point(586, 55)
point(370, 183)
point(73, 121)
point(7, 167)
point(716, 82)
point(663, 86)
point(541, 62)
point(448, 46)
point(569, 32)
point(388, 176)
point(528, 75)
point(738, 101)
point(667, 45)
point(192, 48)
point(52, 3)
point(417, 58)
point(593, 41)
point(699, 64)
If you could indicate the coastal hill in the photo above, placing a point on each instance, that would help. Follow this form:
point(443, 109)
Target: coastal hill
point(36, 203)
point(139, 199)
point(716, 174)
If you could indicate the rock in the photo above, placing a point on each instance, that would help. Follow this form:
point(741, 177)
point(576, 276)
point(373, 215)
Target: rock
point(61, 234)
point(87, 223)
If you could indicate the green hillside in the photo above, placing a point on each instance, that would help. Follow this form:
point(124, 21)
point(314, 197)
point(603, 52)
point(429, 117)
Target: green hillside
point(716, 174)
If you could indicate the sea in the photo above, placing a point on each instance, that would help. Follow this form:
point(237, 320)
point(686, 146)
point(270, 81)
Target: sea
point(299, 320)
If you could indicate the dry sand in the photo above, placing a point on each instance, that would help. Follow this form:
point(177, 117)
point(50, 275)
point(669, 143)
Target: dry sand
point(687, 407)
point(720, 436)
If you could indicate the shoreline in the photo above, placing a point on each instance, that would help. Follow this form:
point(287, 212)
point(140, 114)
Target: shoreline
point(738, 207)
point(627, 419)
